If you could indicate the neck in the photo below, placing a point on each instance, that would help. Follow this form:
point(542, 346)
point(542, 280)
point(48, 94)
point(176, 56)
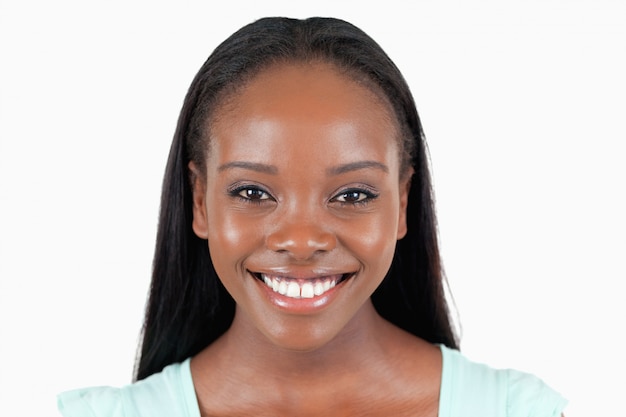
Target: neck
point(244, 371)
point(358, 341)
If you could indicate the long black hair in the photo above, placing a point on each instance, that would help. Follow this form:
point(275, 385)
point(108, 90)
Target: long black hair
point(188, 308)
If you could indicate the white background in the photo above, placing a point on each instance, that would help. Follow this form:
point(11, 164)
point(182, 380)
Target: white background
point(523, 103)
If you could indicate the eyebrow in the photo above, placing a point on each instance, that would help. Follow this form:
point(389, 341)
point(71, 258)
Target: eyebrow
point(336, 170)
point(252, 166)
point(355, 166)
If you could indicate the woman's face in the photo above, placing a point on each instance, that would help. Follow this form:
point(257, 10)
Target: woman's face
point(303, 202)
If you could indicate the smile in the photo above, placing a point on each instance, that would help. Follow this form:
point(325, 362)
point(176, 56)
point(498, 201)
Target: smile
point(301, 288)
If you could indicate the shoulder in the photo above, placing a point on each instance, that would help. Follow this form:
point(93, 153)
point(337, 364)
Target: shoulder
point(91, 402)
point(469, 386)
point(529, 395)
point(167, 393)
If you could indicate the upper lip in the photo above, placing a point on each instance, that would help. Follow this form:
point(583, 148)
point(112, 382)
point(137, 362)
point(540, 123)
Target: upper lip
point(302, 274)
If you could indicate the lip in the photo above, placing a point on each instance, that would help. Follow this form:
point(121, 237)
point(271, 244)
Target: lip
point(301, 305)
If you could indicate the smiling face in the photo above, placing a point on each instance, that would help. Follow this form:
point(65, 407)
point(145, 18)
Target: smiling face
point(302, 202)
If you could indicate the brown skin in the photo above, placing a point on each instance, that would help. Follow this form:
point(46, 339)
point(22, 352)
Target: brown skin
point(290, 210)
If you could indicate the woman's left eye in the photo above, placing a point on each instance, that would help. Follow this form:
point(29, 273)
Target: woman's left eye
point(354, 196)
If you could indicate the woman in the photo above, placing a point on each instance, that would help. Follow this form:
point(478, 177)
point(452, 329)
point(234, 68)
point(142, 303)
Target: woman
point(297, 269)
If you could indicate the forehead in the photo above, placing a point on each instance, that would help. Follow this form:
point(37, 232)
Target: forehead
point(314, 92)
point(297, 113)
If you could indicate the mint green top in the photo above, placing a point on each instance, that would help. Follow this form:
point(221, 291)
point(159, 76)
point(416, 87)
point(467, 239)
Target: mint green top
point(467, 389)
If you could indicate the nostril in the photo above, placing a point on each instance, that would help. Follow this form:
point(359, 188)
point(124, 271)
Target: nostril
point(301, 240)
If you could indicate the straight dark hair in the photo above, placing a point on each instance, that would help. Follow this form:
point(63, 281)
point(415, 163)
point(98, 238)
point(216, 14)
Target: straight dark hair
point(188, 308)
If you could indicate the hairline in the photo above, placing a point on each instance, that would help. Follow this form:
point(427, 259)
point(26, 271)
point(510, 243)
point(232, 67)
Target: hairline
point(223, 104)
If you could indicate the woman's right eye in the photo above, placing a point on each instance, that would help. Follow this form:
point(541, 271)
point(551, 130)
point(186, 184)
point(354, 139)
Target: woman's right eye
point(250, 194)
point(254, 194)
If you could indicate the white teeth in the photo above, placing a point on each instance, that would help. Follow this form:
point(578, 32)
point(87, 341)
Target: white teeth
point(295, 289)
point(318, 289)
point(307, 290)
point(282, 288)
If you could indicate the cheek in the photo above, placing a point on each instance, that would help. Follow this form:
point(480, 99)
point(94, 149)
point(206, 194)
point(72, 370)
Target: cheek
point(373, 240)
point(232, 237)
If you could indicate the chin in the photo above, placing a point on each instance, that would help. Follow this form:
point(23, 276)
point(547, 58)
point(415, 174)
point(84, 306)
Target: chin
point(302, 338)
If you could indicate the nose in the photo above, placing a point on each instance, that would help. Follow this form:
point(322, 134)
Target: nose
point(301, 240)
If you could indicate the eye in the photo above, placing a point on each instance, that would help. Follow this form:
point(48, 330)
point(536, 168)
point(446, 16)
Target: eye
point(351, 197)
point(250, 194)
point(253, 194)
point(354, 196)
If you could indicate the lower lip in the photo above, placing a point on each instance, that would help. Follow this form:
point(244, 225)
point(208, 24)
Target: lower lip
point(301, 305)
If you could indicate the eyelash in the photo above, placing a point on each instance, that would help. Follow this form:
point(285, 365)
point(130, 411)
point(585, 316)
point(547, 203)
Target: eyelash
point(236, 192)
point(368, 194)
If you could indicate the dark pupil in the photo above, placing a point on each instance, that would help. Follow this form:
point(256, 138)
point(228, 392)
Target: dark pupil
point(352, 196)
point(254, 194)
